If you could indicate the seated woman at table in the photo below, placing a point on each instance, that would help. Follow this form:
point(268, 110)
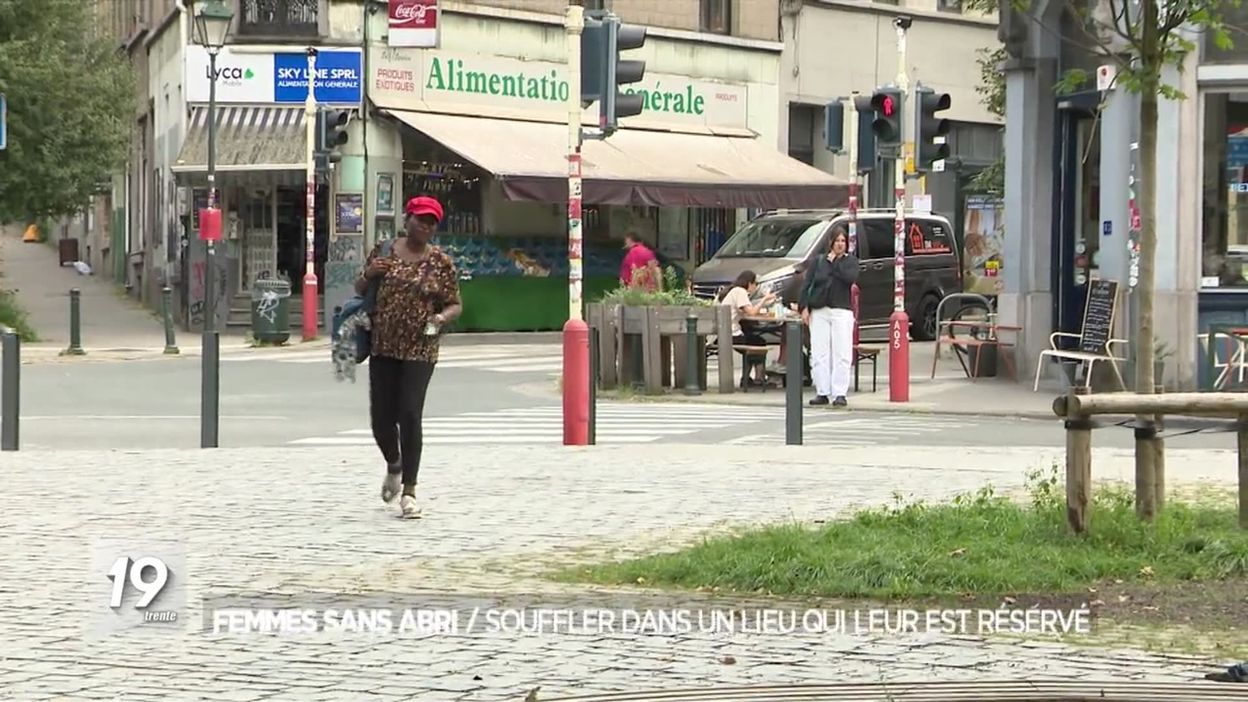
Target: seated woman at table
point(738, 300)
point(790, 297)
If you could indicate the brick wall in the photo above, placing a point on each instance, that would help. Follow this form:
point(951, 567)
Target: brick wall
point(753, 19)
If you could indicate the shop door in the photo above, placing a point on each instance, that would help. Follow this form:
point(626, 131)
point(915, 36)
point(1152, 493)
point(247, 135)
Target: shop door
point(1076, 228)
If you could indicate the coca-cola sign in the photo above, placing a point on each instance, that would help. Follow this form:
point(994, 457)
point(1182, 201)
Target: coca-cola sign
point(414, 23)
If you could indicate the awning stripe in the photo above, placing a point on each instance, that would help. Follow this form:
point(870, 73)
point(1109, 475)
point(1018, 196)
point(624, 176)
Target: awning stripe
point(267, 138)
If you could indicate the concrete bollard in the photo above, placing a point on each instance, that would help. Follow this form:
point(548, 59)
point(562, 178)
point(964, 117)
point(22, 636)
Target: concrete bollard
point(10, 388)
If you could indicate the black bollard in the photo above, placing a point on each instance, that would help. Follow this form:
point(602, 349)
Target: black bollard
point(166, 310)
point(75, 323)
point(639, 375)
point(210, 392)
point(10, 388)
point(693, 385)
point(595, 369)
point(793, 384)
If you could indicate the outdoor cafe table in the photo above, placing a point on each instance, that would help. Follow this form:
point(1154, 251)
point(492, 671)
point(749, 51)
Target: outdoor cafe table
point(993, 340)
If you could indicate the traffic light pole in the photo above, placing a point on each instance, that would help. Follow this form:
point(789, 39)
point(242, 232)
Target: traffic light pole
point(576, 378)
point(853, 203)
point(899, 322)
point(309, 274)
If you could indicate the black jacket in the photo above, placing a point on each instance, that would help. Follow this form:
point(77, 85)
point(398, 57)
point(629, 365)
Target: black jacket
point(828, 284)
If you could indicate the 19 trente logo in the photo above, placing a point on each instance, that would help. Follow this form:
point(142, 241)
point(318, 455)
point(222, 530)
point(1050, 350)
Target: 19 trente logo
point(132, 570)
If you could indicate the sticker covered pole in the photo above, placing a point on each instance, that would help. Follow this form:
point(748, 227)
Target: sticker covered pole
point(575, 332)
point(309, 273)
point(899, 322)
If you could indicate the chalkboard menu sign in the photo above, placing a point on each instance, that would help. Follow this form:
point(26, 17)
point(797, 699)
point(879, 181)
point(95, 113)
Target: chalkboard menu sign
point(1098, 316)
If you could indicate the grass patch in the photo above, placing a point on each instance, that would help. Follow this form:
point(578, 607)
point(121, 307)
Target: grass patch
point(977, 544)
point(13, 315)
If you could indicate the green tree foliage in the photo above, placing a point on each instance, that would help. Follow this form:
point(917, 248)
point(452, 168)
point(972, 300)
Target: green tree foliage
point(70, 96)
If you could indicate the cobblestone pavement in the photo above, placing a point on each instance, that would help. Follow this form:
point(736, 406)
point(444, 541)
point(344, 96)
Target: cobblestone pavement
point(300, 522)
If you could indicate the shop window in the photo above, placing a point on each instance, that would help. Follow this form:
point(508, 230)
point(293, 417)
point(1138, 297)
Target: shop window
point(279, 18)
point(1224, 260)
point(802, 121)
point(1236, 18)
point(717, 16)
point(456, 185)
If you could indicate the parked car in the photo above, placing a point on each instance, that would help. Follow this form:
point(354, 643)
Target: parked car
point(774, 243)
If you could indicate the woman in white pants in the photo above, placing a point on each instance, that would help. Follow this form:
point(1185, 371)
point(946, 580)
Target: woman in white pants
point(827, 308)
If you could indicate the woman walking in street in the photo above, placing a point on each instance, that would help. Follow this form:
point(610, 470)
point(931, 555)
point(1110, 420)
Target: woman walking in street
point(827, 308)
point(418, 295)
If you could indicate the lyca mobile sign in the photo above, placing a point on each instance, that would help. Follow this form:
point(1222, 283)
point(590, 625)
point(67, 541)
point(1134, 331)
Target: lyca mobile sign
point(275, 77)
point(413, 80)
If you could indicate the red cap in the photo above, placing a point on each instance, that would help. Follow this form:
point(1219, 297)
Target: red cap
point(424, 206)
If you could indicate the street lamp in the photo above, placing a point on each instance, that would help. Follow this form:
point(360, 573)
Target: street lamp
point(212, 27)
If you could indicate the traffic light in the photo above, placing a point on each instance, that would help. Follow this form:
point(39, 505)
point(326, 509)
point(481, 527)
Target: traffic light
point(886, 101)
point(834, 126)
point(866, 136)
point(331, 133)
point(620, 72)
point(929, 126)
point(593, 56)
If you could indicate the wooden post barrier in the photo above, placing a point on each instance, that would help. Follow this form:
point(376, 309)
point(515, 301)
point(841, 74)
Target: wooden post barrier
point(1159, 461)
point(1078, 469)
point(1078, 408)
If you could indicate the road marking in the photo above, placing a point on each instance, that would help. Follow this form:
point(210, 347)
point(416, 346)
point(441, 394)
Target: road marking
point(617, 423)
point(160, 417)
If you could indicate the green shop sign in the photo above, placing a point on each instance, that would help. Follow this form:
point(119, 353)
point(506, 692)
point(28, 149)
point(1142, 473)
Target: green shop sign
point(455, 76)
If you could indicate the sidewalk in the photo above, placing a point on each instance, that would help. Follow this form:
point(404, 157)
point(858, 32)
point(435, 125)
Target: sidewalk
point(494, 518)
point(950, 392)
point(110, 320)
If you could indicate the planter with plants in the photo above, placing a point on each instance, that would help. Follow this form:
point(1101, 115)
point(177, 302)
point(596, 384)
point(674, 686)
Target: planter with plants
point(642, 336)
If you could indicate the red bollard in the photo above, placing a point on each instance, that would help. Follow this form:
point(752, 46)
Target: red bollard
point(575, 383)
point(899, 357)
point(853, 302)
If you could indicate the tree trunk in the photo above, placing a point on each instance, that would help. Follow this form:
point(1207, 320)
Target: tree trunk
point(1145, 451)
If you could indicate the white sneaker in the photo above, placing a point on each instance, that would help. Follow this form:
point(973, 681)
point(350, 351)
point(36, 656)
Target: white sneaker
point(390, 486)
point(409, 507)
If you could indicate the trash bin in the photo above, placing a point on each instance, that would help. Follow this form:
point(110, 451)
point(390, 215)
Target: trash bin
point(987, 366)
point(270, 311)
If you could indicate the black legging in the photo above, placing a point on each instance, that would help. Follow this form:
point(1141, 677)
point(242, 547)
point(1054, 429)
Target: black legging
point(396, 394)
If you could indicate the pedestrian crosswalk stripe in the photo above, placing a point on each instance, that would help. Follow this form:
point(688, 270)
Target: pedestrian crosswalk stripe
point(618, 423)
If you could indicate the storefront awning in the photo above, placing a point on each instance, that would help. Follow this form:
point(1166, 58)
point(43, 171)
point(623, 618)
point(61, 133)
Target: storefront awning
point(633, 167)
point(248, 139)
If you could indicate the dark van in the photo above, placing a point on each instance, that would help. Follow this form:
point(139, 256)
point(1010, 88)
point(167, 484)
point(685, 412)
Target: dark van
point(773, 243)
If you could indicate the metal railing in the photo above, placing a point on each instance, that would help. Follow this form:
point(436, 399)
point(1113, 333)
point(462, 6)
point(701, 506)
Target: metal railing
point(10, 387)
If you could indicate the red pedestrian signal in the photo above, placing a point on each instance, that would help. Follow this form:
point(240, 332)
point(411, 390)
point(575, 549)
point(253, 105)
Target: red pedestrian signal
point(886, 126)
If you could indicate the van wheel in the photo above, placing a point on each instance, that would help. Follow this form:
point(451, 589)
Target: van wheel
point(923, 328)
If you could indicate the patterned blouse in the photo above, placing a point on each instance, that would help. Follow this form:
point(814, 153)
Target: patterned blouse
point(411, 294)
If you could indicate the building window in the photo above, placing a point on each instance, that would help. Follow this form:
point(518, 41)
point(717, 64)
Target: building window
point(717, 16)
point(595, 4)
point(279, 18)
point(802, 121)
point(949, 5)
point(1235, 16)
point(1224, 259)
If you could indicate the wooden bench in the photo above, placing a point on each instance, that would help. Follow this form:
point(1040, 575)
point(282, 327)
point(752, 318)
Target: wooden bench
point(871, 355)
point(751, 358)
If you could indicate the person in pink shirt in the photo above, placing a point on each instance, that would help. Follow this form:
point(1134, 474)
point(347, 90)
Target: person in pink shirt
point(640, 267)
